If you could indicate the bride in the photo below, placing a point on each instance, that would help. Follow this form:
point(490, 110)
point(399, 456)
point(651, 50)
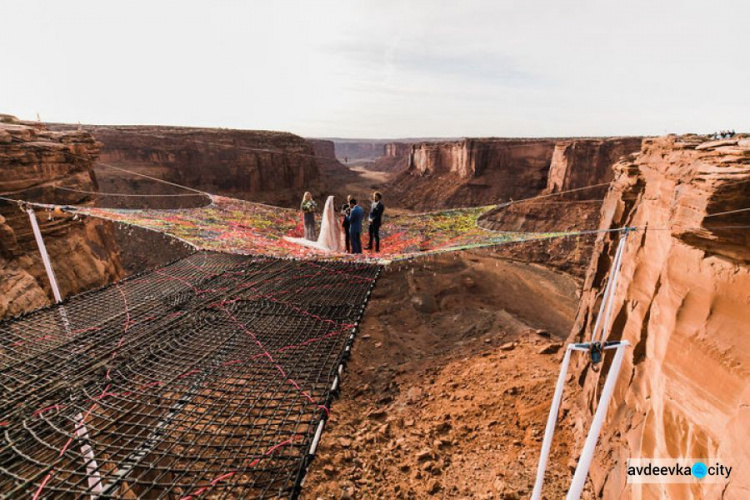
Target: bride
point(331, 237)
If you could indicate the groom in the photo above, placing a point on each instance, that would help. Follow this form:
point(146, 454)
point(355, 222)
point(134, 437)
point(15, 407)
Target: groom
point(355, 225)
point(375, 219)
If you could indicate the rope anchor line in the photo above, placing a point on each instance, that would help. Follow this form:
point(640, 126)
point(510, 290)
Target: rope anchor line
point(595, 349)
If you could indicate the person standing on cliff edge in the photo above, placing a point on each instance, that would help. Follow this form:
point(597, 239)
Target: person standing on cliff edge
point(375, 218)
point(355, 225)
point(308, 207)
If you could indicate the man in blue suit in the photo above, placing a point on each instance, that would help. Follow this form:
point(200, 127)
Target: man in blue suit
point(355, 226)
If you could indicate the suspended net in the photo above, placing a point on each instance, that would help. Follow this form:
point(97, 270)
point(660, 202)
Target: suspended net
point(237, 226)
point(209, 377)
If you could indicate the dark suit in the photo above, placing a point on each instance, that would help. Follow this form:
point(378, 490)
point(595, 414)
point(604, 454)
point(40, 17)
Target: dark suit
point(355, 228)
point(376, 218)
point(345, 209)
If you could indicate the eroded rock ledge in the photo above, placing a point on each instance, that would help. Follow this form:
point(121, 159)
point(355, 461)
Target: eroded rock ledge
point(83, 252)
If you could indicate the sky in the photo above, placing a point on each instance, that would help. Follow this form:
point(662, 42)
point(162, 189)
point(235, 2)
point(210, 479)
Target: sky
point(382, 68)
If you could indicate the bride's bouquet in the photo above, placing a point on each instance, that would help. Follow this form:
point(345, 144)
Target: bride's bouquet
point(309, 206)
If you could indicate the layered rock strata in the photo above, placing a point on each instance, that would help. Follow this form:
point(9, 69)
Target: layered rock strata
point(488, 171)
point(270, 167)
point(579, 163)
point(472, 172)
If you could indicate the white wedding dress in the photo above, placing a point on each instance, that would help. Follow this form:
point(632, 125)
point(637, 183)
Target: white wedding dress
point(331, 237)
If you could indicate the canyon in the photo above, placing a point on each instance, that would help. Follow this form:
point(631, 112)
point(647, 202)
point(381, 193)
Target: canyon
point(485, 171)
point(269, 167)
point(380, 155)
point(63, 164)
point(458, 354)
point(575, 166)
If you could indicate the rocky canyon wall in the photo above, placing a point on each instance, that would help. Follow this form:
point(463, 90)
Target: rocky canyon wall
point(575, 164)
point(84, 253)
point(330, 166)
point(472, 172)
point(270, 167)
point(578, 163)
point(489, 171)
point(395, 158)
point(683, 302)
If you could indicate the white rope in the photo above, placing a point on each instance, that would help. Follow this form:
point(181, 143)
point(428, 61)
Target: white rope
point(198, 191)
point(92, 469)
point(606, 305)
point(100, 193)
point(613, 289)
point(45, 256)
point(587, 455)
point(549, 431)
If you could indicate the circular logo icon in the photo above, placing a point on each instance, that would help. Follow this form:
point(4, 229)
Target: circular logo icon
point(699, 470)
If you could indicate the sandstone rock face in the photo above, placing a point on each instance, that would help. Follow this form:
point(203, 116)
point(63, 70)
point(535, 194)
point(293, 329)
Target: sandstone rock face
point(487, 171)
point(682, 302)
point(271, 167)
point(579, 163)
point(471, 158)
point(397, 149)
point(83, 252)
point(325, 156)
point(395, 159)
point(473, 172)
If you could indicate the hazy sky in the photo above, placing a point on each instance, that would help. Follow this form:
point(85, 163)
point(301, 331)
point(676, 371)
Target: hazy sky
point(382, 68)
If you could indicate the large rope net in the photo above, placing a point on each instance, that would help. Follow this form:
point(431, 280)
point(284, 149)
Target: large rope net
point(237, 226)
point(209, 377)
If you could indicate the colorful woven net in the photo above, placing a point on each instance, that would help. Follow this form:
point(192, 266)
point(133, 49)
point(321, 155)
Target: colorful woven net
point(237, 226)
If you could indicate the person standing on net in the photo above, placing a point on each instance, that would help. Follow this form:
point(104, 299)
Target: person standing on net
point(355, 225)
point(345, 211)
point(308, 207)
point(376, 218)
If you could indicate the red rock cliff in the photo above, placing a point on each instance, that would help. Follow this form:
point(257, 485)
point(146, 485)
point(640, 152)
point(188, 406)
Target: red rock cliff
point(83, 252)
point(271, 167)
point(683, 303)
point(395, 159)
point(473, 172)
point(575, 164)
point(579, 163)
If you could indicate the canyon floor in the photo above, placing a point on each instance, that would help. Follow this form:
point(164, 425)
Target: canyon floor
point(449, 384)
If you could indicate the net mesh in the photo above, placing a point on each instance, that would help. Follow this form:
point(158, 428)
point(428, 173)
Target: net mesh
point(208, 377)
